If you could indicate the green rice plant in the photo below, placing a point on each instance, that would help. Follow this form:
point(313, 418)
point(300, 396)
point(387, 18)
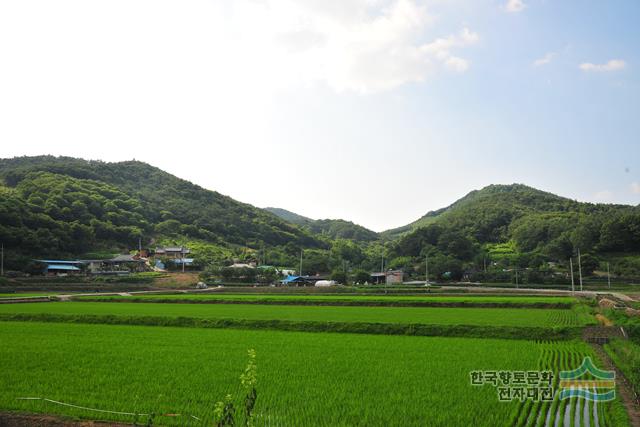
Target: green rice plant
point(512, 317)
point(323, 299)
point(305, 379)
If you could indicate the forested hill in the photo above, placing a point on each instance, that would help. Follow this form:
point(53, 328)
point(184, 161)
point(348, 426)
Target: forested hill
point(64, 207)
point(61, 205)
point(330, 228)
point(514, 197)
point(289, 216)
point(522, 226)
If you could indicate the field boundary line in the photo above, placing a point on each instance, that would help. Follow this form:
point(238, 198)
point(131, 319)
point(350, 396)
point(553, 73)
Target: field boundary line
point(559, 333)
point(337, 303)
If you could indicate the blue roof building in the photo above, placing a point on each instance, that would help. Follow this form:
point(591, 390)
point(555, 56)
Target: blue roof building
point(61, 266)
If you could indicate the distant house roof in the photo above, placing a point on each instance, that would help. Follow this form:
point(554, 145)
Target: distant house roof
point(125, 258)
point(241, 265)
point(175, 249)
point(298, 279)
point(183, 260)
point(60, 262)
point(64, 267)
point(386, 273)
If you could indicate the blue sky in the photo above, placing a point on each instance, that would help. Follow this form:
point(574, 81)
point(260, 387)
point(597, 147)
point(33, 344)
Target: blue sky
point(375, 111)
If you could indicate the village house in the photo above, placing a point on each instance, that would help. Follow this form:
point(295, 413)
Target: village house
point(172, 252)
point(389, 277)
point(61, 267)
point(121, 264)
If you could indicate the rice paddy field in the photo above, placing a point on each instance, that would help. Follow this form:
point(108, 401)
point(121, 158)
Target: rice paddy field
point(405, 315)
point(165, 375)
point(523, 300)
point(310, 379)
point(27, 294)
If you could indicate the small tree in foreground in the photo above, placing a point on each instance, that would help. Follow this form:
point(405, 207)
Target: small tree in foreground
point(225, 411)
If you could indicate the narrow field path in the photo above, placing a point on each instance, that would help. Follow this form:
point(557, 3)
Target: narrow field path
point(11, 419)
point(624, 389)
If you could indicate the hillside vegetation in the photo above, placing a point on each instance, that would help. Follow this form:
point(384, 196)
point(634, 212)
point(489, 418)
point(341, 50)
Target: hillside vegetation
point(329, 228)
point(64, 207)
point(520, 227)
point(58, 205)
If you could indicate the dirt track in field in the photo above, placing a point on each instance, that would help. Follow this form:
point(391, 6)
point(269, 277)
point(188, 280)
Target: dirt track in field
point(8, 419)
point(624, 389)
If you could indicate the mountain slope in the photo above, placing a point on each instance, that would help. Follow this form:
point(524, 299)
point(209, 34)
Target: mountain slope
point(528, 220)
point(52, 202)
point(512, 200)
point(289, 216)
point(331, 228)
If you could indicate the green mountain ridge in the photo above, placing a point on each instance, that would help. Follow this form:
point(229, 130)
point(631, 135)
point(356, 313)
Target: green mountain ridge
point(330, 228)
point(289, 216)
point(66, 207)
point(523, 227)
point(534, 197)
point(62, 205)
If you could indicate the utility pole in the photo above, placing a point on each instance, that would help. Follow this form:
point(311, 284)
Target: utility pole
point(427, 270)
point(2, 260)
point(382, 263)
point(484, 261)
point(300, 273)
point(517, 278)
point(182, 252)
point(139, 245)
point(573, 285)
point(580, 269)
point(608, 276)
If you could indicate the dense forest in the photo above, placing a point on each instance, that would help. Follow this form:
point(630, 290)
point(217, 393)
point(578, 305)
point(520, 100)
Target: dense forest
point(67, 207)
point(60, 206)
point(515, 226)
point(330, 228)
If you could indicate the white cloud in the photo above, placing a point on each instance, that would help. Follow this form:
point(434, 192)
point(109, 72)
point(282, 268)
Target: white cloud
point(440, 49)
point(457, 64)
point(246, 46)
point(514, 6)
point(544, 60)
point(362, 46)
point(635, 188)
point(612, 65)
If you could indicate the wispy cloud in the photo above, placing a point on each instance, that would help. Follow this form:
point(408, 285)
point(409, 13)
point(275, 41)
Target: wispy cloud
point(514, 6)
point(441, 49)
point(544, 60)
point(635, 188)
point(351, 45)
point(612, 65)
